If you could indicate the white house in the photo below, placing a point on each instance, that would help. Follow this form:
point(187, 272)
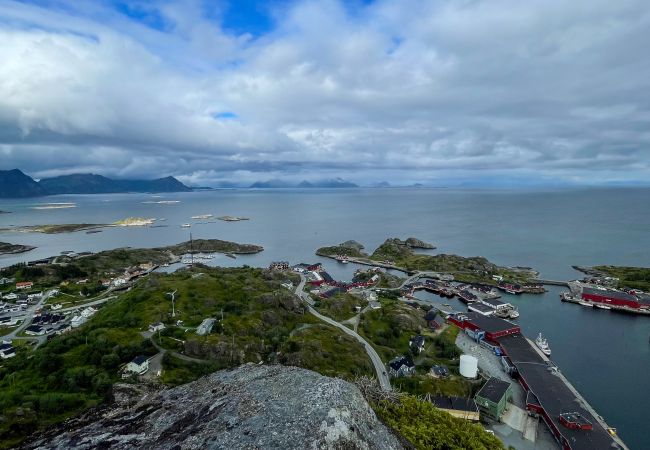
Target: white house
point(7, 351)
point(138, 366)
point(10, 296)
point(156, 327)
point(77, 321)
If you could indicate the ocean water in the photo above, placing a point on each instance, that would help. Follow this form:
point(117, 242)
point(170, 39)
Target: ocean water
point(605, 355)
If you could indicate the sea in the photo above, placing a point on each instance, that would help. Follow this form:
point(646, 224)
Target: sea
point(606, 355)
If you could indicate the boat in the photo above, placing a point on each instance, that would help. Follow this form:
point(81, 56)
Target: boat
point(230, 255)
point(587, 304)
point(93, 231)
point(513, 313)
point(541, 343)
point(603, 307)
point(203, 216)
point(186, 225)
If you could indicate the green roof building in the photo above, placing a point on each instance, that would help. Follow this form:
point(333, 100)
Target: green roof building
point(493, 398)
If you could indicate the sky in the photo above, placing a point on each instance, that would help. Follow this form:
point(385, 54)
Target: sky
point(444, 92)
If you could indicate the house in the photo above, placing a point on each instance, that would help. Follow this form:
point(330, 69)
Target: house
point(77, 321)
point(7, 351)
point(205, 327)
point(84, 281)
point(401, 366)
point(35, 296)
point(105, 283)
point(493, 398)
point(10, 296)
point(416, 344)
point(439, 371)
point(374, 304)
point(279, 265)
point(462, 408)
point(24, 285)
point(35, 330)
point(4, 281)
point(156, 327)
point(138, 366)
point(63, 328)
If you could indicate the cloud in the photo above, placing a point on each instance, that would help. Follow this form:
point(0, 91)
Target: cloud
point(410, 90)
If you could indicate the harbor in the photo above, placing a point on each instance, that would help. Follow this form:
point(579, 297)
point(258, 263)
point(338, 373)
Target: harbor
point(548, 393)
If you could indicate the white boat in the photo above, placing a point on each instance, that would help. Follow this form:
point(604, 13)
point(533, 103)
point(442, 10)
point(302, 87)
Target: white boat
point(587, 304)
point(513, 313)
point(186, 225)
point(541, 343)
point(202, 216)
point(603, 307)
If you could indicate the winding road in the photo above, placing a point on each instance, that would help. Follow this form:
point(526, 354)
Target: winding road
point(380, 368)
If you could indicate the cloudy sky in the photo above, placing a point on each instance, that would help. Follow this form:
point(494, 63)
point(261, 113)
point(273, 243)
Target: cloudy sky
point(437, 92)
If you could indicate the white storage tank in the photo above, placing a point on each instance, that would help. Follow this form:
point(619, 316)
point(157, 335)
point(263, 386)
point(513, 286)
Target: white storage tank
point(468, 366)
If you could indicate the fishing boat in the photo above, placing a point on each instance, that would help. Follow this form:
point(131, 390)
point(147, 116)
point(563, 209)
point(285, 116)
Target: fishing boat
point(541, 343)
point(186, 225)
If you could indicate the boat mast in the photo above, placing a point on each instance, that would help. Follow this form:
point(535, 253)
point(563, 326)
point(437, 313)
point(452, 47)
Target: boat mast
point(191, 251)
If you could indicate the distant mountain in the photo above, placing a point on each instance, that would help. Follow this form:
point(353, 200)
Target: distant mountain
point(335, 183)
point(271, 184)
point(382, 184)
point(15, 184)
point(98, 184)
point(279, 184)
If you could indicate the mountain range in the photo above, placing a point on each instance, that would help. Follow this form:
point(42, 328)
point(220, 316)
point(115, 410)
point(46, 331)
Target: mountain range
point(278, 184)
point(15, 184)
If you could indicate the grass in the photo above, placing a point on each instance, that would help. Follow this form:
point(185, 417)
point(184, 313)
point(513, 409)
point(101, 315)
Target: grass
point(340, 307)
point(427, 428)
point(629, 277)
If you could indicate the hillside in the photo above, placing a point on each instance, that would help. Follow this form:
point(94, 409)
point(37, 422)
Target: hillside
point(15, 184)
point(97, 184)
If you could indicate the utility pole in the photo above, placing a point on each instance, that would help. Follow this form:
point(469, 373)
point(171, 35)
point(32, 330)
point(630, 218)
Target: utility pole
point(173, 294)
point(191, 251)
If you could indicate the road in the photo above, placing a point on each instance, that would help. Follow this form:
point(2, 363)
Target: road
point(380, 368)
point(29, 315)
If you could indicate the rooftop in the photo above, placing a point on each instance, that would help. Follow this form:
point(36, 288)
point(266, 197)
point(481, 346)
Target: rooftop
point(489, 324)
point(139, 360)
point(494, 390)
point(554, 395)
point(455, 403)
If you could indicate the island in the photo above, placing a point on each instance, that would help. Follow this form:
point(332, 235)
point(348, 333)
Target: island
point(9, 249)
point(56, 228)
point(620, 276)
point(232, 218)
point(399, 254)
point(134, 222)
point(4, 212)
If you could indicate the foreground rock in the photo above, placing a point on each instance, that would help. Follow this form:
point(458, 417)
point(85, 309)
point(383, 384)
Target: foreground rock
point(251, 407)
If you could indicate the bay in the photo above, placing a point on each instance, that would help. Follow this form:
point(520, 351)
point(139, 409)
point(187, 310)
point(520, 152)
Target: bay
point(605, 355)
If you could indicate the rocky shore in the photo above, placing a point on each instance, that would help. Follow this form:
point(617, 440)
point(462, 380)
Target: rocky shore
point(10, 249)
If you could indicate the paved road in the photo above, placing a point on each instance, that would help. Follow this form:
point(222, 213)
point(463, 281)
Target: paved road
point(380, 368)
point(29, 315)
point(151, 336)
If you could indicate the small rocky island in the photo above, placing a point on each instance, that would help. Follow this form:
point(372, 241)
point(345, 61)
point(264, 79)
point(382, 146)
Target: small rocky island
point(232, 218)
point(9, 249)
point(56, 228)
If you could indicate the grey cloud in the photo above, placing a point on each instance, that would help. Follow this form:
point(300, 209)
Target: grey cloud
point(419, 90)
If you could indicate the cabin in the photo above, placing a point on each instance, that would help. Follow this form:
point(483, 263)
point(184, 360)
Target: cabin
point(279, 265)
point(416, 344)
point(401, 366)
point(493, 398)
point(462, 408)
point(158, 326)
point(439, 371)
point(24, 285)
point(138, 366)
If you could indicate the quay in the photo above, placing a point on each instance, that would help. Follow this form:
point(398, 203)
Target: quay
point(572, 421)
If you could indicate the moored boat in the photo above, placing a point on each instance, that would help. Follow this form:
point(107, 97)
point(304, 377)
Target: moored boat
point(541, 343)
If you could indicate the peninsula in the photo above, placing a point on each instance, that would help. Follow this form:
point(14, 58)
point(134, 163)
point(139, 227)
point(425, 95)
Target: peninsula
point(8, 249)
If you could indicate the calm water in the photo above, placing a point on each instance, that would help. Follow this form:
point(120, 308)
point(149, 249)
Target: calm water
point(606, 355)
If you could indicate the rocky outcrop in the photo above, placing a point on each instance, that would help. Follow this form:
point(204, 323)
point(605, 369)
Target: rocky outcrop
point(251, 407)
point(417, 243)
